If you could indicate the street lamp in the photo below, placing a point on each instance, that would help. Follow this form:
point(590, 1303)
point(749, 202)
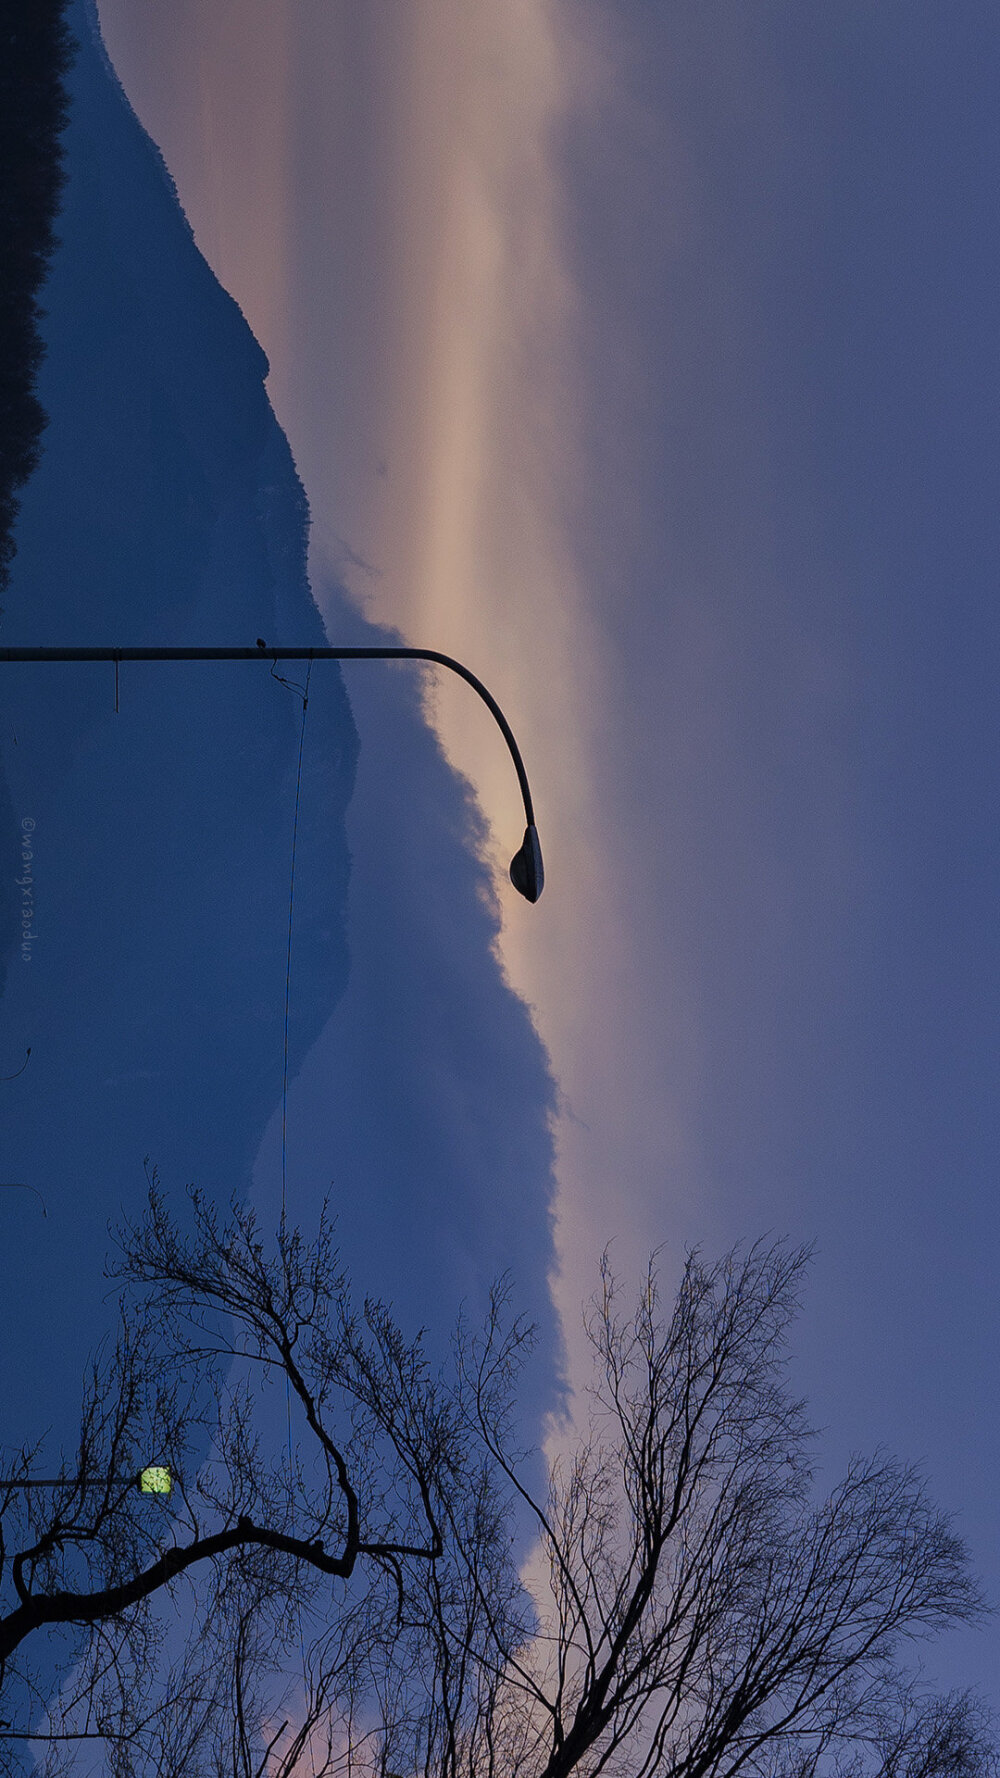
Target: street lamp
point(526, 870)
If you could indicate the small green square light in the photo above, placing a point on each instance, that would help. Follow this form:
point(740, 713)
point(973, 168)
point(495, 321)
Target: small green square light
point(156, 1479)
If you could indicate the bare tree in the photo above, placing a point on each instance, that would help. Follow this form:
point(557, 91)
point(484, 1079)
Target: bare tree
point(180, 1620)
point(351, 1603)
point(701, 1618)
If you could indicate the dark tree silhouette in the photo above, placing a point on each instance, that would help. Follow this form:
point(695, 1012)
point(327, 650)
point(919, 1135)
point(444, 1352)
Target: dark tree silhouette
point(35, 54)
point(702, 1617)
point(340, 1594)
point(257, 1530)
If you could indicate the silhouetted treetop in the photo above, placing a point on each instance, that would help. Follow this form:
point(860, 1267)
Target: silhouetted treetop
point(36, 50)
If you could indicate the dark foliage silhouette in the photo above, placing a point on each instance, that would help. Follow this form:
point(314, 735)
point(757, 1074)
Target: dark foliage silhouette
point(35, 55)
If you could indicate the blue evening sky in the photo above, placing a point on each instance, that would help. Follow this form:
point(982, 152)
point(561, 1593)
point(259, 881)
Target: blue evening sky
point(645, 355)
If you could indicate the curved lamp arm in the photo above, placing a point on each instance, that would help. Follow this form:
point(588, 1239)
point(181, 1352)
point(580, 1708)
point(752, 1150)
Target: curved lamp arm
point(526, 870)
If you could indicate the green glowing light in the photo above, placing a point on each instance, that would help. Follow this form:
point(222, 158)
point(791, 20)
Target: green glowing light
point(156, 1479)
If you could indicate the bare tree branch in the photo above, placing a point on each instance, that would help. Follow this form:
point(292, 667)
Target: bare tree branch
point(345, 1601)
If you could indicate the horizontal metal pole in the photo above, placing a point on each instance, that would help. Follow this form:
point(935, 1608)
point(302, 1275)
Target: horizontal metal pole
point(294, 654)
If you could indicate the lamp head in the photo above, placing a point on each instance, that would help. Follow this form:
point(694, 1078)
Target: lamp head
point(526, 870)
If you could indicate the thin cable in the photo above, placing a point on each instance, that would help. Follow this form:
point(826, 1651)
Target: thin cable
point(303, 692)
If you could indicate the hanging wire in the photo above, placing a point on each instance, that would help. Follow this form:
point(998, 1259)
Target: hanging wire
point(303, 692)
point(21, 1185)
point(293, 684)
